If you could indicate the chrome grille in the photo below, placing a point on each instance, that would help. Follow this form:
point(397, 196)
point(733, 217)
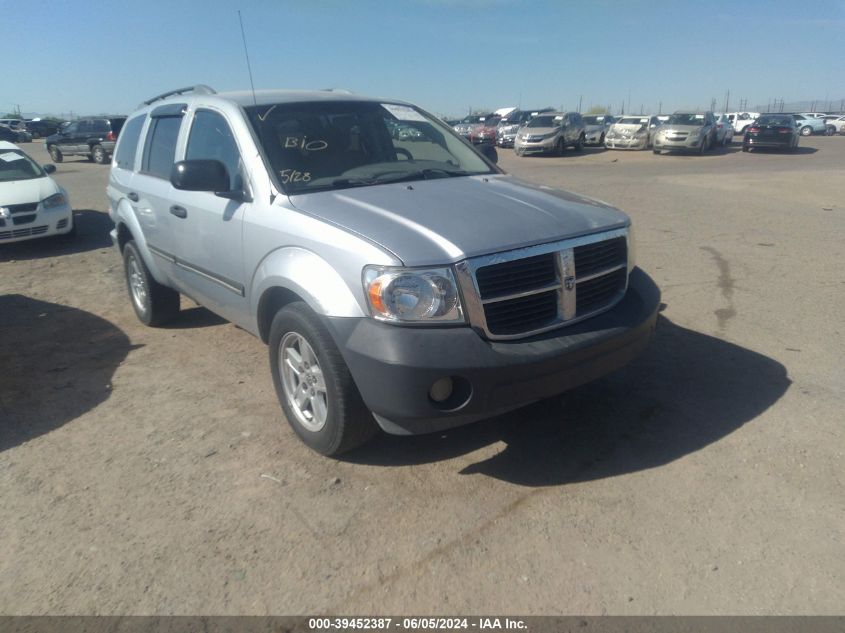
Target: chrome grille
point(515, 276)
point(536, 289)
point(29, 207)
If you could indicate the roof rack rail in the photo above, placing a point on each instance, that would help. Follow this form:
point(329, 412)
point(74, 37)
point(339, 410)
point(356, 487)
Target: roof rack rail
point(200, 89)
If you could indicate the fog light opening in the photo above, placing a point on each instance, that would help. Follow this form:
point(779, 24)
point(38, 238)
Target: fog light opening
point(441, 389)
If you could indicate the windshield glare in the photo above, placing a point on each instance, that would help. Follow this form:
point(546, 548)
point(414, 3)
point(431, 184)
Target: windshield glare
point(314, 146)
point(686, 119)
point(15, 165)
point(545, 121)
point(632, 120)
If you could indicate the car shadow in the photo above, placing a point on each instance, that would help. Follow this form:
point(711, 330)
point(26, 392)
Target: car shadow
point(687, 391)
point(92, 233)
point(56, 363)
point(798, 151)
point(194, 317)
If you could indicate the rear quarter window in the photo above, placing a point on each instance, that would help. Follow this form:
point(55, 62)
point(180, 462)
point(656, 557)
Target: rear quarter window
point(127, 146)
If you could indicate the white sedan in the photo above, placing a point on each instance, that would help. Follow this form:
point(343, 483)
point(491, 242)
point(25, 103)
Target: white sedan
point(31, 203)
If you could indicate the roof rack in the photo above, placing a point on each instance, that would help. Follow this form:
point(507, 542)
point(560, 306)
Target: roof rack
point(200, 89)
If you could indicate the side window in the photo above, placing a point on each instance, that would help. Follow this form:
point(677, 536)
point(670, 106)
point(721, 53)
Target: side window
point(85, 127)
point(211, 138)
point(127, 146)
point(71, 128)
point(160, 148)
point(100, 127)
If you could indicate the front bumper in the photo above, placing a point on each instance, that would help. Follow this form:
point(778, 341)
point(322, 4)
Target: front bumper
point(626, 143)
point(682, 145)
point(506, 140)
point(523, 148)
point(394, 367)
point(40, 223)
point(593, 138)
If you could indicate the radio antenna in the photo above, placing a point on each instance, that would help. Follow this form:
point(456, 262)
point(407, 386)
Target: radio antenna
point(246, 52)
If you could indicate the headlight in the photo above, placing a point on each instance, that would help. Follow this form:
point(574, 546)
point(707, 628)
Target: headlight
point(412, 295)
point(56, 200)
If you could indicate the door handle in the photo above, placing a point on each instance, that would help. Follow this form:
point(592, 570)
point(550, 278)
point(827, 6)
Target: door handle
point(179, 212)
point(132, 196)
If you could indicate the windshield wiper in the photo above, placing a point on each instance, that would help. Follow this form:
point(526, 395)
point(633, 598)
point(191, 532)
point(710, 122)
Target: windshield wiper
point(419, 174)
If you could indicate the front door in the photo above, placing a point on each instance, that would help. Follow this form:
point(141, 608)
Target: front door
point(210, 234)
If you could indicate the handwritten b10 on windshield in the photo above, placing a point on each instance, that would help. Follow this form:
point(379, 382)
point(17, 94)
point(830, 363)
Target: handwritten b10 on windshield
point(297, 142)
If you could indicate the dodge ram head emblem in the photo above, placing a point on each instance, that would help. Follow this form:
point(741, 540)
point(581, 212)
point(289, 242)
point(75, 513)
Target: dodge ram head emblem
point(569, 283)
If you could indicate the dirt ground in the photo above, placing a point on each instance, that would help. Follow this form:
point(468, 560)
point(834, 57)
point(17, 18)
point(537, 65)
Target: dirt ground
point(150, 471)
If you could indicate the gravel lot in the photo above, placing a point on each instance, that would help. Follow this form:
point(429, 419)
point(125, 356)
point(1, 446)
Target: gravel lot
point(150, 471)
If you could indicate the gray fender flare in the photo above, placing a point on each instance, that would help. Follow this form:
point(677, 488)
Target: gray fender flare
point(124, 215)
point(308, 275)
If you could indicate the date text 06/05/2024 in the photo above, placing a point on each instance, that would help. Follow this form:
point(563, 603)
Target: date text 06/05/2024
point(415, 623)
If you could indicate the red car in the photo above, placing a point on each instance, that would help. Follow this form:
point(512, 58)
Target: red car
point(485, 131)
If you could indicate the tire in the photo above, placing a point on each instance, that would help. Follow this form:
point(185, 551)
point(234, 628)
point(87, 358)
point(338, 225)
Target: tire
point(601, 141)
point(153, 303)
point(656, 151)
point(339, 421)
point(99, 155)
point(830, 130)
point(745, 148)
point(55, 154)
point(580, 144)
point(703, 147)
point(806, 130)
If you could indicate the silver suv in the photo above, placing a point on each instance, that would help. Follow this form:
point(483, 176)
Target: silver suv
point(407, 284)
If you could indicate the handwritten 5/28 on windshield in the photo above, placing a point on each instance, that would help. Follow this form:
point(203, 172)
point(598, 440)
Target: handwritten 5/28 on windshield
point(297, 142)
point(294, 175)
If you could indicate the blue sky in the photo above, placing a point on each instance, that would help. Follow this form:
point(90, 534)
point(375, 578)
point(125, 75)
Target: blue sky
point(445, 55)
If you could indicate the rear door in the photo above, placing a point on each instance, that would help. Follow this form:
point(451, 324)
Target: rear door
point(151, 191)
point(66, 142)
point(209, 232)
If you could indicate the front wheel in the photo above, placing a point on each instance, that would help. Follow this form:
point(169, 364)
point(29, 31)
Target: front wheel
point(153, 303)
point(806, 130)
point(580, 144)
point(55, 154)
point(314, 385)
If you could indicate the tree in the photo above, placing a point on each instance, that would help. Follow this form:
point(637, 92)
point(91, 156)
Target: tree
point(598, 110)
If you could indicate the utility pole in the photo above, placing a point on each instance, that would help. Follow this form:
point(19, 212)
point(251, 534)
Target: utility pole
point(727, 100)
point(660, 108)
point(579, 102)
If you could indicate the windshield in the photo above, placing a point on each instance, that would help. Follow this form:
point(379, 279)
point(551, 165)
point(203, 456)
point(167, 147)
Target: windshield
point(785, 121)
point(593, 120)
point(314, 146)
point(15, 165)
point(472, 119)
point(686, 119)
point(545, 121)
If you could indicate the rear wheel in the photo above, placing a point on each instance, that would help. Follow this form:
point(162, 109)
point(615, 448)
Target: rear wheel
point(153, 303)
point(99, 155)
point(55, 154)
point(579, 145)
point(806, 130)
point(314, 385)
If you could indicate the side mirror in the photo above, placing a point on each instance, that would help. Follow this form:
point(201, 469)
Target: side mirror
point(203, 175)
point(49, 169)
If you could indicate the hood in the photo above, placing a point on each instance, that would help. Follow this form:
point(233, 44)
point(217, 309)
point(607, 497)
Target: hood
point(681, 128)
point(441, 221)
point(538, 131)
point(626, 128)
point(26, 191)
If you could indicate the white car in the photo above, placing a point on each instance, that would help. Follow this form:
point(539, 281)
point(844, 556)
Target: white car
point(31, 203)
point(741, 120)
point(837, 121)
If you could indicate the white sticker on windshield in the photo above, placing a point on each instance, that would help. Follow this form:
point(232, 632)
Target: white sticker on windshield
point(10, 156)
point(403, 113)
